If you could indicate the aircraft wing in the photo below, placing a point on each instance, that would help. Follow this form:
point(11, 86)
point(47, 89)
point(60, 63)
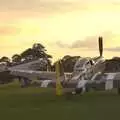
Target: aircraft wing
point(40, 75)
point(31, 74)
point(31, 71)
point(105, 81)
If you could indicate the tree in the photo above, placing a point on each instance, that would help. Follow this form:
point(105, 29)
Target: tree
point(36, 52)
point(5, 59)
point(39, 47)
point(40, 51)
point(112, 65)
point(66, 57)
point(68, 63)
point(16, 58)
point(27, 54)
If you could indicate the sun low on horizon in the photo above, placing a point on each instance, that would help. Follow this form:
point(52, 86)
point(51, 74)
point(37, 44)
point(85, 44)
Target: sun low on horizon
point(64, 27)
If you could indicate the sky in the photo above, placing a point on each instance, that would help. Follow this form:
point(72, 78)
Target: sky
point(62, 26)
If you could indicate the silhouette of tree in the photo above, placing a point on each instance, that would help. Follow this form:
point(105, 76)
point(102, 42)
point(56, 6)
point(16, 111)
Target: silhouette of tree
point(39, 51)
point(16, 58)
point(68, 63)
point(5, 59)
point(112, 65)
point(27, 54)
point(66, 57)
point(39, 47)
point(36, 52)
point(116, 58)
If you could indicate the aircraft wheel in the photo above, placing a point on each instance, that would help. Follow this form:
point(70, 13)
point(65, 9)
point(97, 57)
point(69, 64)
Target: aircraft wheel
point(77, 91)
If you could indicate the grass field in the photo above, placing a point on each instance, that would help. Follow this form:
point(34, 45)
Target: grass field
point(41, 104)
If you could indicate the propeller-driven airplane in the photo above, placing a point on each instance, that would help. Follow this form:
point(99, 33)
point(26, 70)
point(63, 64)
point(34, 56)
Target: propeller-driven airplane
point(84, 68)
point(85, 72)
point(87, 67)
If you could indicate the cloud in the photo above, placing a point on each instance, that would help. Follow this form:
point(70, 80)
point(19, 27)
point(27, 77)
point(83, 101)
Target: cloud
point(61, 45)
point(114, 49)
point(8, 30)
point(15, 9)
point(36, 5)
point(49, 5)
point(12, 9)
point(90, 42)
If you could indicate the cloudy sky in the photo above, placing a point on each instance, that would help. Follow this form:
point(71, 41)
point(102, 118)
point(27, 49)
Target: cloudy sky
point(62, 26)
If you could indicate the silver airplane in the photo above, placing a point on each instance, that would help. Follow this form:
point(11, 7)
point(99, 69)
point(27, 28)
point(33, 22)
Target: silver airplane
point(87, 73)
point(84, 70)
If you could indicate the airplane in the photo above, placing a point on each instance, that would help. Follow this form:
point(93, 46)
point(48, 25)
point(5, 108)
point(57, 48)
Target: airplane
point(87, 73)
point(84, 69)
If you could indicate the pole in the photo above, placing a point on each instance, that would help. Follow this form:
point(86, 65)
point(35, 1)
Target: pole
point(59, 91)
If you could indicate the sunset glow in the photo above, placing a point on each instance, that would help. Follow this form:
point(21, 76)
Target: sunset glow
point(59, 24)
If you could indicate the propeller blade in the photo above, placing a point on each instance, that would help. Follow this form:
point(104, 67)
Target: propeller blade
point(101, 46)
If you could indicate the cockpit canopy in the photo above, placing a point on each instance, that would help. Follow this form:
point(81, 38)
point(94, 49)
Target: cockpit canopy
point(82, 63)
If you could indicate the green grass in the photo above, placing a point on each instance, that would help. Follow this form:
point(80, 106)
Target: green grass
point(41, 104)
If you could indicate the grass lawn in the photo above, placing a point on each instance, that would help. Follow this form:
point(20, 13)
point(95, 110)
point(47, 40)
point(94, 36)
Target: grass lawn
point(41, 104)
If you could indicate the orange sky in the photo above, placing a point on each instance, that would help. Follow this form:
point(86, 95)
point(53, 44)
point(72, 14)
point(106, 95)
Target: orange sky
point(62, 26)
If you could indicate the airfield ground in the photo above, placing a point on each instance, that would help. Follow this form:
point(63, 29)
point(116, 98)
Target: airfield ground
point(41, 104)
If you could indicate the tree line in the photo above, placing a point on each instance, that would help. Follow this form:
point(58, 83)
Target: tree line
point(39, 51)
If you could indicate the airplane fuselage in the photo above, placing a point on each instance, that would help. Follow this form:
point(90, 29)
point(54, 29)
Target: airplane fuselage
point(85, 68)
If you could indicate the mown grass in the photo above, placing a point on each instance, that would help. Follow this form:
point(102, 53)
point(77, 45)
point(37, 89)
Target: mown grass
point(37, 103)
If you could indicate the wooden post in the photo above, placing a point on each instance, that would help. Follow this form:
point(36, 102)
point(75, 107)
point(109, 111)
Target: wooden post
point(59, 91)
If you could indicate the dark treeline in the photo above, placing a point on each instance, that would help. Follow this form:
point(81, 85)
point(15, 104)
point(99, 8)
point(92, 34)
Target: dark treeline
point(112, 65)
point(68, 63)
point(39, 51)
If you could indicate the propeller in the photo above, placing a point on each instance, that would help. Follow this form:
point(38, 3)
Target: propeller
point(100, 40)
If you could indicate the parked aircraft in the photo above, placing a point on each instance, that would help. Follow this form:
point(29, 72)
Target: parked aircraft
point(87, 73)
point(84, 69)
